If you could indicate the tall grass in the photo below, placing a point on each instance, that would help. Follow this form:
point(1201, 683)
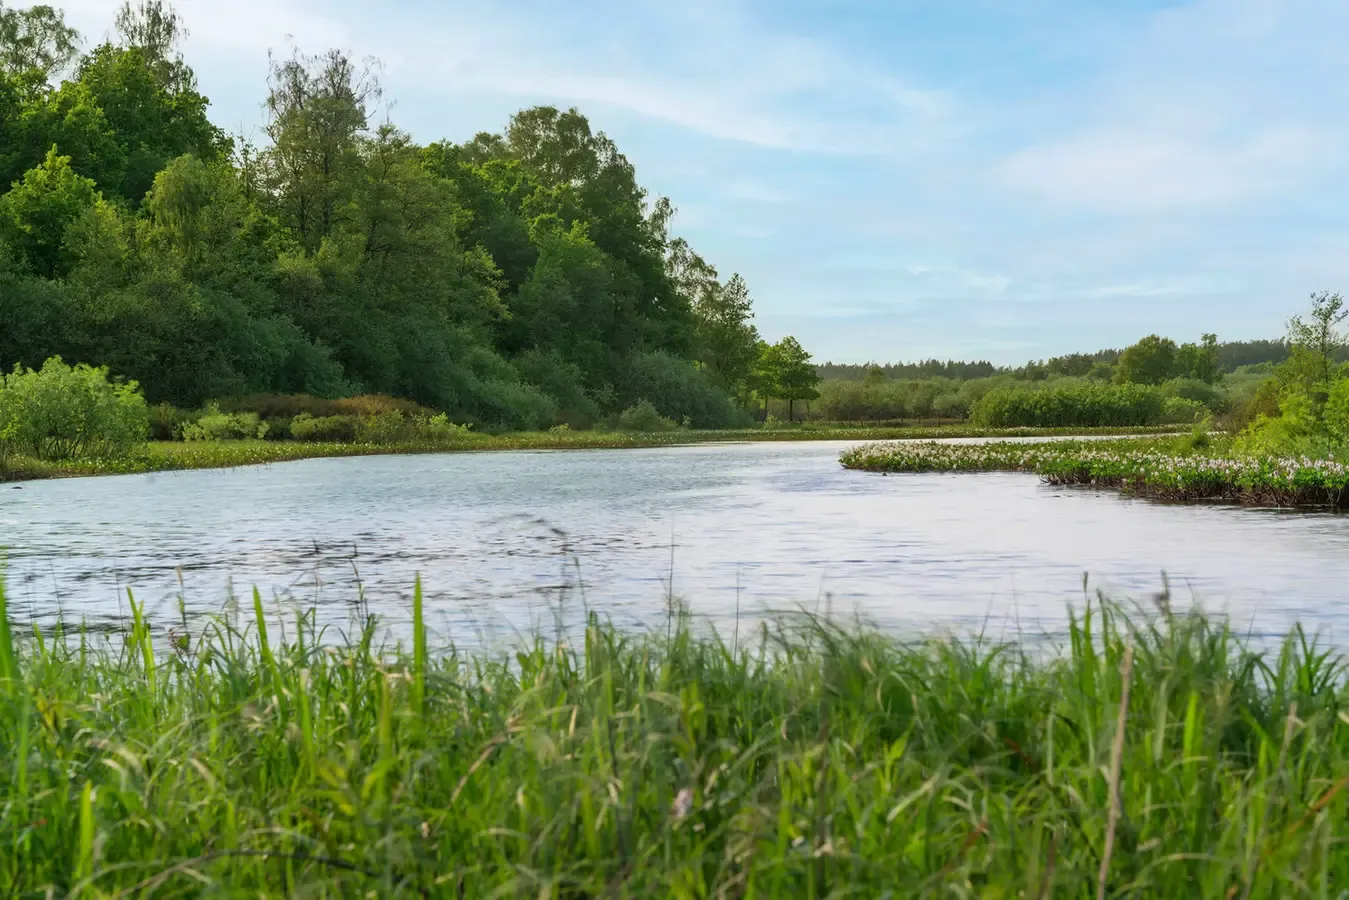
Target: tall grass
point(1153, 757)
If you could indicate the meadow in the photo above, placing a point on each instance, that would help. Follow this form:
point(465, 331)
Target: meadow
point(1160, 468)
point(1154, 754)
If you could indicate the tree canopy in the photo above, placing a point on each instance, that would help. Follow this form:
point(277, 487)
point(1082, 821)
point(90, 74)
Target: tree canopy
point(519, 278)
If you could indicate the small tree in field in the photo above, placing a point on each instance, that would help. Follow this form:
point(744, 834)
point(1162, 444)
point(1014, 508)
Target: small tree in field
point(797, 378)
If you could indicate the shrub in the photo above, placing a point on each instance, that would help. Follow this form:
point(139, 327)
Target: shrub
point(1179, 411)
point(64, 412)
point(387, 427)
point(214, 425)
point(305, 427)
point(166, 422)
point(679, 391)
point(368, 405)
point(644, 417)
point(1198, 391)
point(1070, 405)
point(440, 428)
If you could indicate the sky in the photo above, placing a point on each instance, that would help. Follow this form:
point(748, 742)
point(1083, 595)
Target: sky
point(901, 179)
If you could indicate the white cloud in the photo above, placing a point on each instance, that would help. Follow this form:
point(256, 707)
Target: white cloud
point(1222, 102)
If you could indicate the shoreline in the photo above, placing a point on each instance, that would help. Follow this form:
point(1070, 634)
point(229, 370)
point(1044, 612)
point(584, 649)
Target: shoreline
point(1148, 469)
point(171, 456)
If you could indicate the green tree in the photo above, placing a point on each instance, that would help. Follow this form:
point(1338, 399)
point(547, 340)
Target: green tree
point(1317, 342)
point(156, 117)
point(37, 212)
point(36, 44)
point(318, 107)
point(1150, 361)
point(797, 378)
point(1199, 360)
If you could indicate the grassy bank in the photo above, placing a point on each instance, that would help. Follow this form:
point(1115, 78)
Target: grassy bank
point(1161, 757)
point(159, 456)
point(1158, 468)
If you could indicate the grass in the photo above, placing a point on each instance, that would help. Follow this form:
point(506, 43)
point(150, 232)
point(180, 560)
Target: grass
point(1155, 757)
point(1161, 468)
point(159, 456)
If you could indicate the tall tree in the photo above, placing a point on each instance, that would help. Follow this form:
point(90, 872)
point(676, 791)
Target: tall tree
point(796, 375)
point(317, 106)
point(36, 45)
point(156, 30)
point(1318, 340)
point(39, 210)
point(1150, 361)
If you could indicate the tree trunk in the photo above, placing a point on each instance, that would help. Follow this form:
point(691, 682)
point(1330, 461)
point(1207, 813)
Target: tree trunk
point(790, 416)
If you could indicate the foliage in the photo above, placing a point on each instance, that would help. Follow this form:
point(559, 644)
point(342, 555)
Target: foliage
point(818, 759)
point(678, 391)
point(1069, 405)
point(1309, 386)
point(306, 427)
point(1170, 470)
point(1182, 411)
point(214, 425)
point(643, 417)
point(61, 412)
point(512, 281)
point(784, 372)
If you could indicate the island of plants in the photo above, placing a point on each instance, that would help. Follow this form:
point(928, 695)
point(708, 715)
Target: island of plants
point(1161, 469)
point(1296, 456)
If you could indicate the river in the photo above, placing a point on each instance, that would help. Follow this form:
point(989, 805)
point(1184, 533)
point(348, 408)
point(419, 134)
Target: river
point(506, 542)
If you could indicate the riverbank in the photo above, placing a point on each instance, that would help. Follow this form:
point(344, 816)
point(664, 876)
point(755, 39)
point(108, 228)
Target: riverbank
point(1157, 468)
point(1162, 756)
point(159, 456)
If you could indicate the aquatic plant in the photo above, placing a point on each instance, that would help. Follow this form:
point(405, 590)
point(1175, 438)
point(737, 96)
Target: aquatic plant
point(1147, 468)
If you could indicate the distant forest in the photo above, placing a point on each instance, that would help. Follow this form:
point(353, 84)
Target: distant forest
point(1231, 355)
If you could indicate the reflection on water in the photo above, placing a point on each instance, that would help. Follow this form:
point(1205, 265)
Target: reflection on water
point(501, 538)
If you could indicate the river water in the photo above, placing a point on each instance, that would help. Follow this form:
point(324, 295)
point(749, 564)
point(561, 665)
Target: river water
point(506, 542)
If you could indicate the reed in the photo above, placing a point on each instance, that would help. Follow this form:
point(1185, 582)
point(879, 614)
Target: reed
point(1147, 756)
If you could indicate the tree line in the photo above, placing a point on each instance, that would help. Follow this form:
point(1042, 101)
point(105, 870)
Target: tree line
point(519, 279)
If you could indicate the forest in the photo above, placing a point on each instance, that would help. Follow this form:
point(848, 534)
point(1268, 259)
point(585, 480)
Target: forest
point(519, 279)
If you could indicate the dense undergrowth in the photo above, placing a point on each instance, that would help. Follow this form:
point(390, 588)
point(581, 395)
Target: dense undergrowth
point(1158, 756)
point(1165, 469)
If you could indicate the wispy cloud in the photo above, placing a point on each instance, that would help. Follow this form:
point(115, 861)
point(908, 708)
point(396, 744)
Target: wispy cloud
point(1208, 111)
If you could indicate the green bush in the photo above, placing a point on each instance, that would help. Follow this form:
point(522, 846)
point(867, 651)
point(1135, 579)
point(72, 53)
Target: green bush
point(214, 425)
point(63, 412)
point(680, 392)
point(1199, 391)
point(305, 427)
point(166, 422)
point(440, 428)
point(1179, 411)
point(388, 427)
point(643, 417)
point(1072, 405)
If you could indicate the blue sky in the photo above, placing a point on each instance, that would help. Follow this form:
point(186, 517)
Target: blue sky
point(896, 179)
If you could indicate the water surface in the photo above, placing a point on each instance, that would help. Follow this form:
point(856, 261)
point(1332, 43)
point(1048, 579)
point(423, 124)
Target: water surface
point(502, 540)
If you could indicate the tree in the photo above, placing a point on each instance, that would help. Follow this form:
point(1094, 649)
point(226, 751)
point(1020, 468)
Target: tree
point(40, 208)
point(1199, 360)
point(796, 375)
point(35, 45)
point(1150, 361)
point(317, 107)
point(1318, 340)
point(155, 29)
